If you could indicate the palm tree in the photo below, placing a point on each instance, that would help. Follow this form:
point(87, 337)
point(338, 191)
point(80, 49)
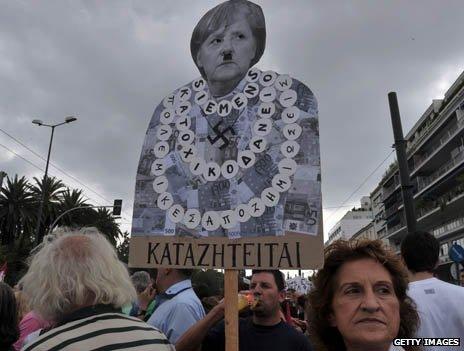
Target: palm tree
point(73, 199)
point(16, 210)
point(104, 221)
point(53, 190)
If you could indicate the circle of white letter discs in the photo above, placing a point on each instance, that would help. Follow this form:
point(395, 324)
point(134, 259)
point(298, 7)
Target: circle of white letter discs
point(164, 201)
point(229, 169)
point(167, 116)
point(290, 114)
point(197, 166)
point(210, 220)
point(163, 132)
point(246, 159)
point(239, 101)
point(268, 94)
point(210, 107)
point(212, 171)
point(242, 212)
point(183, 94)
point(176, 213)
point(287, 166)
point(283, 82)
point(160, 184)
point(201, 97)
point(258, 144)
point(267, 78)
point(161, 149)
point(186, 137)
point(289, 148)
point(228, 219)
point(262, 126)
point(257, 207)
point(192, 218)
point(158, 167)
point(224, 108)
point(183, 123)
point(188, 152)
point(270, 197)
point(281, 183)
point(266, 109)
point(198, 84)
point(252, 75)
point(183, 108)
point(168, 101)
point(288, 98)
point(251, 90)
point(292, 131)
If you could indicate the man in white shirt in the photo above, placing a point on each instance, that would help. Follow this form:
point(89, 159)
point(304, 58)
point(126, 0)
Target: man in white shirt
point(439, 304)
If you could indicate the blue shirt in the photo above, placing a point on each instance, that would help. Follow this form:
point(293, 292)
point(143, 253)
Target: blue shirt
point(177, 310)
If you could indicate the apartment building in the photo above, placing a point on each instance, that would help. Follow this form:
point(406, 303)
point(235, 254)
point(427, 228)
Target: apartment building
point(435, 154)
point(352, 221)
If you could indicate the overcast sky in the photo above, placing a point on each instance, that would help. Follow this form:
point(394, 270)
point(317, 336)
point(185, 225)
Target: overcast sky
point(111, 62)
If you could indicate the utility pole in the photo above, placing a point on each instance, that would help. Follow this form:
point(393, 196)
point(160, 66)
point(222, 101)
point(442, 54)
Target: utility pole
point(400, 146)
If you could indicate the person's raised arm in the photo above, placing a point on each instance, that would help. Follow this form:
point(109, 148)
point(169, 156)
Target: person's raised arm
point(191, 340)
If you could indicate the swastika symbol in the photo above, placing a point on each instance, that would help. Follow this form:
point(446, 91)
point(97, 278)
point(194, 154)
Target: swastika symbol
point(220, 134)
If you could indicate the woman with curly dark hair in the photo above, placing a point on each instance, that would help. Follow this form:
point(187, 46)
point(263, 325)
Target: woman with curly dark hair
point(359, 299)
point(9, 330)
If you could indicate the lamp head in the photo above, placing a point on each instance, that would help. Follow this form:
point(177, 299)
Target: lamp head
point(70, 119)
point(37, 121)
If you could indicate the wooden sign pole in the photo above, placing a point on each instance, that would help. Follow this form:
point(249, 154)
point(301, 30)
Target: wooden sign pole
point(231, 309)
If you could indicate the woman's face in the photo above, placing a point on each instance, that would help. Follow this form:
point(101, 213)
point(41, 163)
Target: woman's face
point(365, 308)
point(227, 53)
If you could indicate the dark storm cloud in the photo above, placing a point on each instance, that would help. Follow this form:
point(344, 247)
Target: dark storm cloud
point(110, 63)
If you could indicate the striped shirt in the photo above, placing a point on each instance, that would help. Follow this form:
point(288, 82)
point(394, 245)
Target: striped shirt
point(101, 328)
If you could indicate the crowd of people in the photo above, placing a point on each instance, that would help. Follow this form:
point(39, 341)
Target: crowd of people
point(77, 295)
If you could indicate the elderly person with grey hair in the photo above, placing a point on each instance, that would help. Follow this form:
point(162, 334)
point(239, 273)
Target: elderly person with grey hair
point(77, 281)
point(142, 283)
point(235, 147)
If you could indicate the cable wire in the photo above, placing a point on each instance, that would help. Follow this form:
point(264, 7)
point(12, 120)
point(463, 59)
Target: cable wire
point(59, 169)
point(363, 182)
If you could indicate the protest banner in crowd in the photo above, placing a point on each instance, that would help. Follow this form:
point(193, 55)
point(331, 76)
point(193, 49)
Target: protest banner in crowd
point(229, 174)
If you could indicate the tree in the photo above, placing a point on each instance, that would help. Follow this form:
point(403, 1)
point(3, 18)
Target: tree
point(104, 221)
point(71, 199)
point(52, 189)
point(16, 210)
point(123, 248)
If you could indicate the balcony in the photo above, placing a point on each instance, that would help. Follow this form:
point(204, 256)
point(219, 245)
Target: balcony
point(424, 182)
point(423, 208)
point(425, 157)
point(391, 190)
point(395, 228)
point(449, 227)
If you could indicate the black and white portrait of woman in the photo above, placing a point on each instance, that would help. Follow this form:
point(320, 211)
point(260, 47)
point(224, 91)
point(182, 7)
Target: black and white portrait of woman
point(235, 152)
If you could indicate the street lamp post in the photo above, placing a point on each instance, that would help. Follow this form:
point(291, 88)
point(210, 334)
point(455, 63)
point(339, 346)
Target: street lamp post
point(52, 126)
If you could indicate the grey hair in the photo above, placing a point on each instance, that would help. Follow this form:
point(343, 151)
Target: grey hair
point(227, 13)
point(140, 280)
point(74, 270)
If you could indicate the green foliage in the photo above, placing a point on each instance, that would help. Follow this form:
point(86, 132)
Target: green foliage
point(123, 248)
point(19, 202)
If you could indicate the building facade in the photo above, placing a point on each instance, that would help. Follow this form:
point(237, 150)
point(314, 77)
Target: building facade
point(352, 221)
point(366, 232)
point(435, 154)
